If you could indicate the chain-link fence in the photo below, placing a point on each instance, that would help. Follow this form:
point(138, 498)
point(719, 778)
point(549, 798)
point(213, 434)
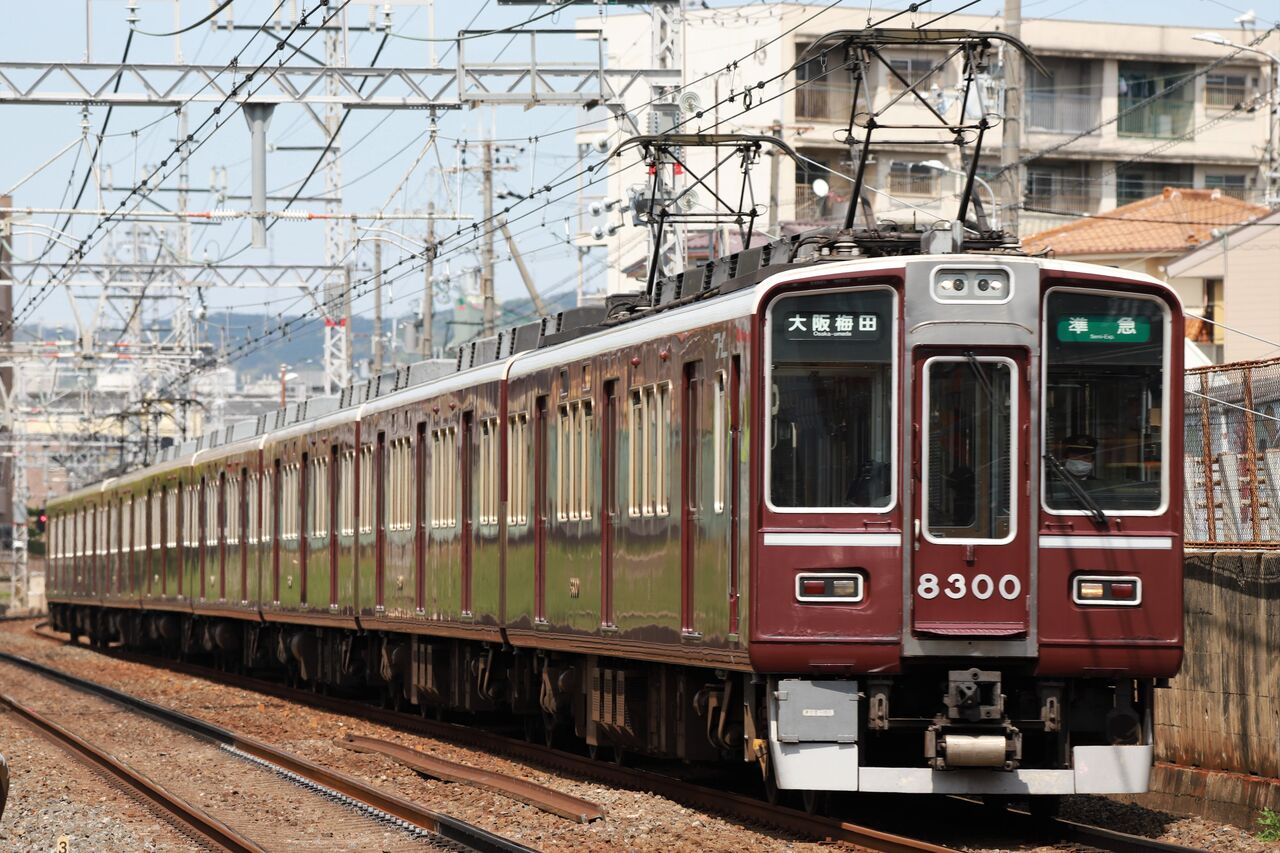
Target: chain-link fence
point(1232, 463)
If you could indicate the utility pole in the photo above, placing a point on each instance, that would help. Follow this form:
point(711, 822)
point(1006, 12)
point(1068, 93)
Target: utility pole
point(775, 175)
point(11, 460)
point(486, 250)
point(428, 288)
point(1011, 127)
point(377, 308)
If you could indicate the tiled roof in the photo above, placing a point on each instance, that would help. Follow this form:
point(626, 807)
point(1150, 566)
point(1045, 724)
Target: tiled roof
point(1174, 221)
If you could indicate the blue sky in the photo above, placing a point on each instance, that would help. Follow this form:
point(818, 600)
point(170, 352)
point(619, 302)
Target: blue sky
point(380, 146)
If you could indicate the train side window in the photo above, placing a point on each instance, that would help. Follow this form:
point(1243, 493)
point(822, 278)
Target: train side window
point(210, 513)
point(170, 497)
point(318, 512)
point(139, 523)
point(517, 469)
point(155, 520)
point(268, 506)
point(346, 493)
point(367, 496)
point(562, 464)
point(233, 510)
point(253, 520)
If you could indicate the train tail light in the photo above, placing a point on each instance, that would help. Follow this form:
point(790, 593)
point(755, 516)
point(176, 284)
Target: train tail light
point(1108, 590)
point(844, 587)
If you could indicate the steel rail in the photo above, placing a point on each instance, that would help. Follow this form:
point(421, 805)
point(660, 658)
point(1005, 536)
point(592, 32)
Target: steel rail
point(530, 793)
point(736, 805)
point(195, 819)
point(448, 828)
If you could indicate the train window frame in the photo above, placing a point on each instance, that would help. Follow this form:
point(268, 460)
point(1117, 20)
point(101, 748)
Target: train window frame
point(1166, 363)
point(895, 380)
point(1015, 428)
point(649, 433)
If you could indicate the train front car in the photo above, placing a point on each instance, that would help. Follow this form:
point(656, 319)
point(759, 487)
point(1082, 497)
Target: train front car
point(967, 559)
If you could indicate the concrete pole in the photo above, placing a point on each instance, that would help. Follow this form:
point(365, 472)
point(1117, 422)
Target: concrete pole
point(377, 308)
point(258, 117)
point(9, 512)
point(1011, 128)
point(775, 177)
point(428, 291)
point(486, 246)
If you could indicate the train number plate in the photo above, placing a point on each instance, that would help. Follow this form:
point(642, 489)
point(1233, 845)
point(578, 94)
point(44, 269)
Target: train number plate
point(958, 586)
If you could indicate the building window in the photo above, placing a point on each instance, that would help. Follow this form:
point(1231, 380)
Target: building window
point(649, 428)
point(825, 87)
point(1155, 100)
point(1232, 185)
point(913, 69)
point(1225, 90)
point(912, 179)
point(1066, 187)
point(1139, 181)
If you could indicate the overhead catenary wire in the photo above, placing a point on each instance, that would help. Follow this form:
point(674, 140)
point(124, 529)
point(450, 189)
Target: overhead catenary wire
point(88, 243)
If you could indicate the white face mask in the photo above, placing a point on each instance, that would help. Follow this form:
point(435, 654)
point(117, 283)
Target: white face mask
point(1079, 467)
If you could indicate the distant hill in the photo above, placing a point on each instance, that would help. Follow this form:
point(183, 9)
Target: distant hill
point(227, 330)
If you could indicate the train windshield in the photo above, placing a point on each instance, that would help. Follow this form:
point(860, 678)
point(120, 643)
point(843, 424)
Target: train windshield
point(1103, 402)
point(831, 401)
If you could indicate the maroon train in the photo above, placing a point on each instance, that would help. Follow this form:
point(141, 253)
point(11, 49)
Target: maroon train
point(905, 524)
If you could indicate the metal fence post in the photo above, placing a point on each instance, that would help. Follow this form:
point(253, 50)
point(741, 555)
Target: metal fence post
point(1251, 453)
point(1207, 453)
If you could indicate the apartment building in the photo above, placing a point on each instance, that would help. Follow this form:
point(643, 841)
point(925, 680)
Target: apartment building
point(1118, 113)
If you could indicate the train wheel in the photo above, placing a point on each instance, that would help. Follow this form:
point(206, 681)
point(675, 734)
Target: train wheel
point(549, 729)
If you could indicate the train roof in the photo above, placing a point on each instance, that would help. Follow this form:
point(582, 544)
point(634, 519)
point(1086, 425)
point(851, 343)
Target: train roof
point(574, 332)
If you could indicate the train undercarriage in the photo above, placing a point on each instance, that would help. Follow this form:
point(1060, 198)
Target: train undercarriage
point(936, 728)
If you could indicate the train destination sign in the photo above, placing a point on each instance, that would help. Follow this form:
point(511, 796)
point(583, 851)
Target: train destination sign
point(831, 325)
point(1093, 329)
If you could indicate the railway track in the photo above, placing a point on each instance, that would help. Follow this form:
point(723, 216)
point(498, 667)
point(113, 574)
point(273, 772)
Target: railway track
point(226, 790)
point(734, 805)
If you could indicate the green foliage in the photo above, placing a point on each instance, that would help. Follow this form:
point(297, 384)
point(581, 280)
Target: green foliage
point(1270, 823)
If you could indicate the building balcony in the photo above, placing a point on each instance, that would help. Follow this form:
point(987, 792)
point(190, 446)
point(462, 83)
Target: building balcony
point(824, 102)
point(1160, 119)
point(1062, 112)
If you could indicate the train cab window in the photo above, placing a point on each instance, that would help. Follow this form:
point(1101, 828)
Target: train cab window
point(1105, 363)
point(831, 419)
point(969, 465)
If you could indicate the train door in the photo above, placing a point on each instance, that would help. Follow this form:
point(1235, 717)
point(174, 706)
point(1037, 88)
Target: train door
point(690, 498)
point(540, 444)
point(468, 518)
point(380, 521)
point(735, 489)
point(420, 518)
point(971, 575)
point(608, 498)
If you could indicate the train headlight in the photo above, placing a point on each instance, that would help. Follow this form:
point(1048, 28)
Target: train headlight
point(1110, 590)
